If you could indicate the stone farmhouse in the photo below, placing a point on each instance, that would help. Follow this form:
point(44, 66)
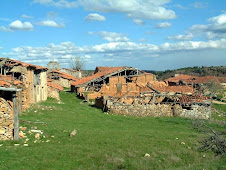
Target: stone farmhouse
point(31, 78)
point(61, 78)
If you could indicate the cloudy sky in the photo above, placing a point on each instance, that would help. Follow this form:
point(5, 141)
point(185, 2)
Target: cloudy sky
point(146, 34)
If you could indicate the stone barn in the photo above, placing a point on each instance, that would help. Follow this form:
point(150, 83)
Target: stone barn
point(61, 78)
point(31, 78)
point(54, 90)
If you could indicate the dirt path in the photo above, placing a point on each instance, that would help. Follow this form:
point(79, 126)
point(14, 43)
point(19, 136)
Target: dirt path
point(218, 102)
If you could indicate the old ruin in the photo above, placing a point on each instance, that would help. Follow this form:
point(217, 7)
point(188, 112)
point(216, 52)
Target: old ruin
point(129, 91)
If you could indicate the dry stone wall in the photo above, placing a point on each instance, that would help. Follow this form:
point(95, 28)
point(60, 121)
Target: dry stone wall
point(6, 120)
point(139, 108)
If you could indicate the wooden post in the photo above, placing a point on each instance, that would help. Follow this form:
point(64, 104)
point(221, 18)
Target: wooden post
point(16, 120)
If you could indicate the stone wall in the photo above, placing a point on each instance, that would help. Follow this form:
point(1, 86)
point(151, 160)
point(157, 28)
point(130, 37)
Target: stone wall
point(6, 120)
point(63, 82)
point(40, 90)
point(153, 110)
point(145, 108)
point(54, 93)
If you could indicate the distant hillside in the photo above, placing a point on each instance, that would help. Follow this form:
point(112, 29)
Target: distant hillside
point(218, 71)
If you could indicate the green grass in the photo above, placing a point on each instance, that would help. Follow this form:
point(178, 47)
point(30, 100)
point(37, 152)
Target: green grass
point(104, 141)
point(221, 112)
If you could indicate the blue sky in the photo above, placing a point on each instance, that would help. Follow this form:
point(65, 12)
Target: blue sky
point(147, 34)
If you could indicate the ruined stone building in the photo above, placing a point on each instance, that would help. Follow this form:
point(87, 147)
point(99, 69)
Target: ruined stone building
point(32, 79)
point(119, 81)
point(61, 78)
point(129, 91)
point(109, 81)
point(158, 105)
point(54, 90)
point(74, 73)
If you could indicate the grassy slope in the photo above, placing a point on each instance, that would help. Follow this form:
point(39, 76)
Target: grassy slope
point(105, 141)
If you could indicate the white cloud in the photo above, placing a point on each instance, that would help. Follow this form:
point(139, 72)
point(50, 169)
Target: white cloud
point(139, 9)
point(111, 36)
point(49, 23)
point(125, 51)
point(181, 37)
point(95, 17)
point(138, 21)
point(216, 28)
point(163, 25)
point(17, 25)
point(58, 3)
point(26, 16)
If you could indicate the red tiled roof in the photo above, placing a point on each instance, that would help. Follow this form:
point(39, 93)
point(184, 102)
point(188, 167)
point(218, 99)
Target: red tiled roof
point(17, 82)
point(192, 79)
point(175, 89)
point(16, 62)
point(4, 83)
point(97, 75)
point(65, 75)
point(55, 86)
point(49, 80)
point(180, 77)
point(221, 79)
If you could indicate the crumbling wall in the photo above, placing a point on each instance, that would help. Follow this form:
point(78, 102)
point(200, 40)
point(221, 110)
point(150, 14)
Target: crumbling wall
point(63, 82)
point(6, 120)
point(193, 111)
point(54, 93)
point(145, 106)
point(154, 110)
point(29, 85)
point(41, 90)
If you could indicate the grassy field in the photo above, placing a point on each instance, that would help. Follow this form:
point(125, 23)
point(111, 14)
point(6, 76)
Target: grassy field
point(104, 141)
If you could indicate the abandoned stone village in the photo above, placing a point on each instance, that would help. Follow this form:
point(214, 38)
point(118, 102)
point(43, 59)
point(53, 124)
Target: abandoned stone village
point(117, 90)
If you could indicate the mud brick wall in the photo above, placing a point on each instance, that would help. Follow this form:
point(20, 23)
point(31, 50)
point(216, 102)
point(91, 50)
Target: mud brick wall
point(6, 120)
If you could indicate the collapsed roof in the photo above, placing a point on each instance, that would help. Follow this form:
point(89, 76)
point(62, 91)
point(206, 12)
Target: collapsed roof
point(102, 73)
point(12, 63)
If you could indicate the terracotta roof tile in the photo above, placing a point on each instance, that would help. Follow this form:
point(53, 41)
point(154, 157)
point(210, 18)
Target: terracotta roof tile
point(4, 83)
point(192, 79)
point(180, 77)
point(97, 75)
point(16, 62)
point(17, 82)
point(55, 86)
point(65, 75)
point(221, 79)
